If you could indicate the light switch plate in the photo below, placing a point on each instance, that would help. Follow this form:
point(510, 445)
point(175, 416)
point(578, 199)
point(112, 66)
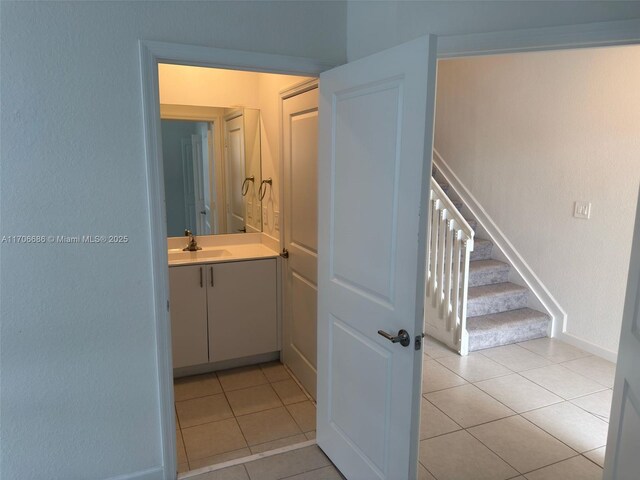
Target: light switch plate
point(582, 210)
point(276, 220)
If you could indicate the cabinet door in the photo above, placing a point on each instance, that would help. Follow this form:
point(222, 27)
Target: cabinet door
point(242, 309)
point(188, 301)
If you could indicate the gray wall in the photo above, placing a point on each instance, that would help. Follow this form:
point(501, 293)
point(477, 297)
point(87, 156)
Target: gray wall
point(78, 353)
point(173, 131)
point(373, 26)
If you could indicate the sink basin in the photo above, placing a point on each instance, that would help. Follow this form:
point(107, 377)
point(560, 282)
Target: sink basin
point(177, 254)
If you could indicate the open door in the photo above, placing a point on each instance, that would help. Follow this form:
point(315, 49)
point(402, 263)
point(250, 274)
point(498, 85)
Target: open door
point(374, 165)
point(622, 461)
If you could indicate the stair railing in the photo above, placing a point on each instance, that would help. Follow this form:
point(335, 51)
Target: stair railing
point(450, 244)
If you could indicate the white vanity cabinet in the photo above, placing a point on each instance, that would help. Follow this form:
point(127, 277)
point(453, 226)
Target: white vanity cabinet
point(232, 314)
point(188, 304)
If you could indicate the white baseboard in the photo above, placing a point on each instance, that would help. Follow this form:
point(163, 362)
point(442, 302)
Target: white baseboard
point(538, 289)
point(225, 364)
point(156, 473)
point(588, 347)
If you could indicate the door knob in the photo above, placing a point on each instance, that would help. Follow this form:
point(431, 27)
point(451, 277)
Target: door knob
point(403, 337)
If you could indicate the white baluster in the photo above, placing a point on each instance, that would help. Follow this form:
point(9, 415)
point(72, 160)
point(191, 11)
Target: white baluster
point(451, 232)
point(462, 330)
point(442, 228)
point(450, 244)
point(434, 252)
point(456, 287)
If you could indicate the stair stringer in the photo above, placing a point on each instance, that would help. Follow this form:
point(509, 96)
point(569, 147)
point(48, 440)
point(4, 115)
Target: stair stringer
point(521, 273)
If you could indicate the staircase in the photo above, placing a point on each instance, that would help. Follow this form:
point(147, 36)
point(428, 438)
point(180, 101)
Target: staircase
point(471, 302)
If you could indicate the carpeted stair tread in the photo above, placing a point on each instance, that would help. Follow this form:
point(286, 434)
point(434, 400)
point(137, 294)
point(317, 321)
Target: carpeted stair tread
point(495, 298)
point(508, 327)
point(481, 249)
point(487, 272)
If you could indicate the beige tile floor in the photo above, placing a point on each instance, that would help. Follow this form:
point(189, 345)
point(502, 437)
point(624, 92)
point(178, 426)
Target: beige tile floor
point(236, 413)
point(308, 463)
point(538, 410)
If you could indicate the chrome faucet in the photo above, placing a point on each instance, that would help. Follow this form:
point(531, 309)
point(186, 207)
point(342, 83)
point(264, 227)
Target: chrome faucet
point(192, 246)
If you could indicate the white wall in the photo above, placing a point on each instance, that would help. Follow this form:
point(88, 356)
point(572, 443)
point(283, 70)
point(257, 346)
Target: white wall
point(374, 26)
point(78, 359)
point(529, 134)
point(207, 87)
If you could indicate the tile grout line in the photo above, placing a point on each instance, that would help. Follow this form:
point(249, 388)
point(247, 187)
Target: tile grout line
point(425, 467)
point(184, 445)
point(481, 390)
point(593, 461)
point(304, 390)
point(224, 393)
point(436, 407)
point(235, 417)
point(536, 426)
point(307, 471)
point(518, 414)
point(559, 461)
point(556, 394)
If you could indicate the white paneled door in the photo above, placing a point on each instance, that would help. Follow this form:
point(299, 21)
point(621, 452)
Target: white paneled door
point(235, 174)
point(622, 461)
point(300, 164)
point(375, 143)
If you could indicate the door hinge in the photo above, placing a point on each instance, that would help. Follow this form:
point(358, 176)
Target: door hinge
point(168, 306)
point(418, 341)
point(284, 253)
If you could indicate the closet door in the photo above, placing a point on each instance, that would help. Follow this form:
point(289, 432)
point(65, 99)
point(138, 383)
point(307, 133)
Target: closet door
point(300, 228)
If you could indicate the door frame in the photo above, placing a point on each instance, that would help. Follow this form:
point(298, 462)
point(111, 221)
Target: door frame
point(152, 53)
point(296, 89)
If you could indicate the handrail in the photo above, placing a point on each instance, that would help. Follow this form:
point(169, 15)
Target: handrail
point(450, 245)
point(454, 214)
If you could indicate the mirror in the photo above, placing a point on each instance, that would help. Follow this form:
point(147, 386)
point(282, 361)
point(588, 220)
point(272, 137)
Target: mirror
point(212, 170)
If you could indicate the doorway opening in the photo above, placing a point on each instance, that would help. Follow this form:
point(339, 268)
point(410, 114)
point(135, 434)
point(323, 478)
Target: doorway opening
point(235, 394)
point(523, 141)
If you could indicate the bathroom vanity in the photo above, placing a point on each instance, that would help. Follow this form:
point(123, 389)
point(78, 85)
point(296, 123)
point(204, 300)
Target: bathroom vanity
point(223, 302)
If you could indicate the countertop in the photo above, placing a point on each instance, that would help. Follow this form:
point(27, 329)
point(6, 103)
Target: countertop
point(222, 253)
